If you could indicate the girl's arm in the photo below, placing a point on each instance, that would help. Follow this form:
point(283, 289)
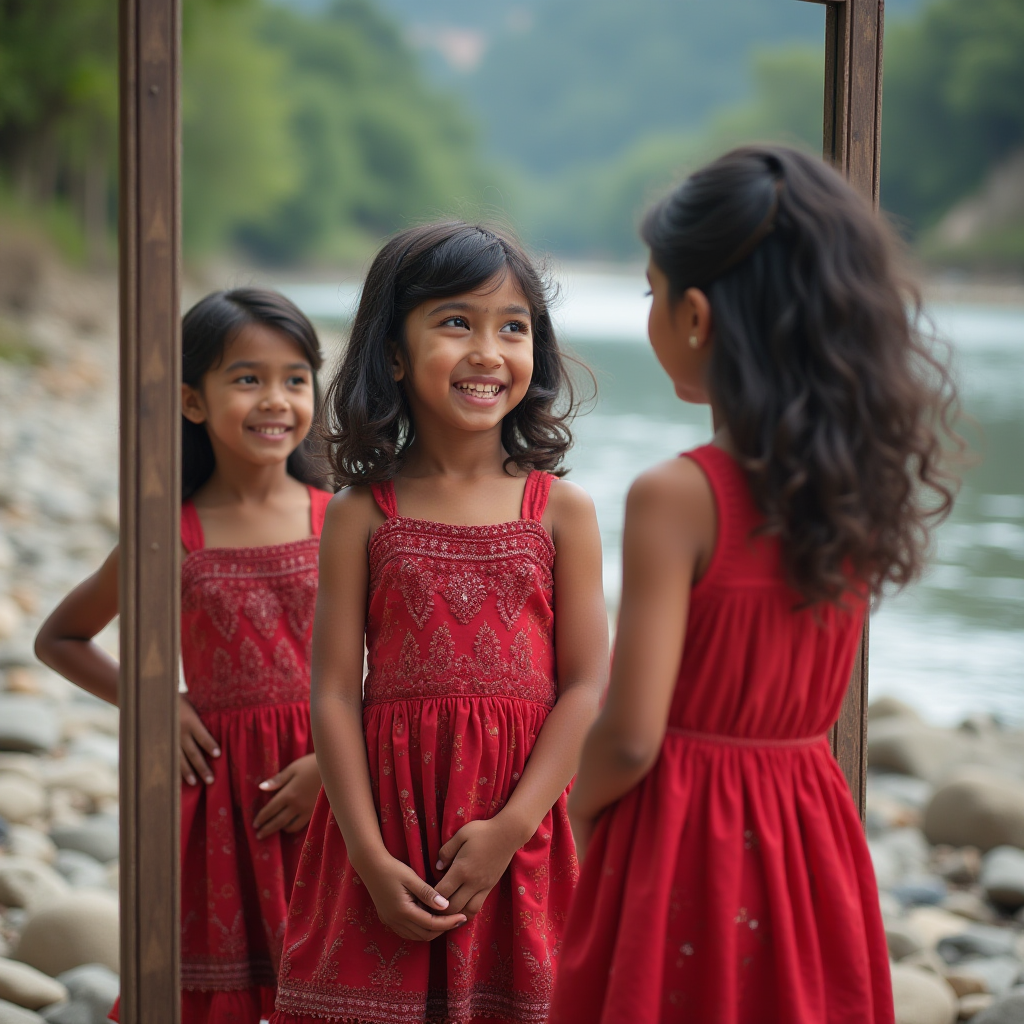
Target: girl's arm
point(401, 897)
point(667, 542)
point(478, 854)
point(65, 643)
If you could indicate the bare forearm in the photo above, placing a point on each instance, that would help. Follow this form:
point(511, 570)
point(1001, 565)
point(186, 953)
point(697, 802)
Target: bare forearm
point(609, 769)
point(553, 760)
point(341, 756)
point(84, 662)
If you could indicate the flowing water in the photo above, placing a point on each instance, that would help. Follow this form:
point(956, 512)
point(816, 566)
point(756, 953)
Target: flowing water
point(951, 645)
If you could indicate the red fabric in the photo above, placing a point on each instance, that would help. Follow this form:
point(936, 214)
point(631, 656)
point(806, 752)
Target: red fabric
point(461, 678)
point(734, 885)
point(246, 625)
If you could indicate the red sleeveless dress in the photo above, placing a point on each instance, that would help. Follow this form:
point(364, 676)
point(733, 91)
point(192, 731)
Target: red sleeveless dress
point(461, 678)
point(246, 628)
point(733, 885)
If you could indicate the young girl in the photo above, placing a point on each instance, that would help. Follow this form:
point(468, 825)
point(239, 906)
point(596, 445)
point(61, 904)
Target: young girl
point(435, 882)
point(250, 523)
point(727, 879)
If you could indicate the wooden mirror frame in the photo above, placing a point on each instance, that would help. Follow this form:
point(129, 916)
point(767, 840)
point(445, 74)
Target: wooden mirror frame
point(150, 485)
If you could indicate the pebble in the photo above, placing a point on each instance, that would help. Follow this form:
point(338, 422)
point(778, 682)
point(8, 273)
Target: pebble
point(978, 940)
point(977, 807)
point(1008, 1009)
point(29, 883)
point(21, 800)
point(81, 870)
point(27, 724)
point(93, 987)
point(93, 779)
point(21, 679)
point(973, 1004)
point(911, 747)
point(81, 928)
point(28, 987)
point(98, 746)
point(1002, 877)
point(960, 865)
point(891, 707)
point(903, 940)
point(10, 1013)
point(996, 974)
point(970, 906)
point(922, 998)
point(934, 924)
point(98, 836)
point(926, 891)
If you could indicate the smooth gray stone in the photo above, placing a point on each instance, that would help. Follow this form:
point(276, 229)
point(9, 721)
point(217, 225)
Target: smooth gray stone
point(96, 836)
point(27, 724)
point(999, 973)
point(1007, 1010)
point(1002, 876)
point(95, 986)
point(81, 870)
point(978, 940)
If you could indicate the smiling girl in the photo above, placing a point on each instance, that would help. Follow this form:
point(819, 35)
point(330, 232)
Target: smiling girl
point(438, 867)
point(250, 523)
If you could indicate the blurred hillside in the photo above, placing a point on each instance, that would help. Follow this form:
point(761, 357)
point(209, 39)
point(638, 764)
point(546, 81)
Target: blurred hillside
point(314, 127)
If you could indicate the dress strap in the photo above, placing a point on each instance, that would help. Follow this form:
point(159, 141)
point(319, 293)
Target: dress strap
point(535, 497)
point(318, 502)
point(191, 528)
point(384, 495)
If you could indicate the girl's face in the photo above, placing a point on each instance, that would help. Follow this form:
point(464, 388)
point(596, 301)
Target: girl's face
point(468, 358)
point(257, 402)
point(680, 333)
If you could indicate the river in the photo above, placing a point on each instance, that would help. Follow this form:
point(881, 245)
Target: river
point(951, 645)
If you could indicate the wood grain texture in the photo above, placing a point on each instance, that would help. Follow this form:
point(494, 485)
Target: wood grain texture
point(150, 356)
point(851, 140)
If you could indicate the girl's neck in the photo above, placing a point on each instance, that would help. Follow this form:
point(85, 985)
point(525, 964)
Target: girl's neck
point(457, 454)
point(235, 483)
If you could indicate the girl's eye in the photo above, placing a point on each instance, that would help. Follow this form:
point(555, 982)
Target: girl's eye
point(297, 382)
point(517, 327)
point(246, 379)
point(455, 321)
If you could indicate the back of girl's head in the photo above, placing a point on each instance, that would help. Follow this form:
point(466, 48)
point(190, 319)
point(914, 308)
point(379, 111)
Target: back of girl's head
point(833, 400)
point(206, 330)
point(370, 426)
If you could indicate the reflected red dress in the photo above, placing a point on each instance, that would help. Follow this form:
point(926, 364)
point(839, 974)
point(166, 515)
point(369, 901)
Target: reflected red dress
point(461, 679)
point(246, 625)
point(733, 885)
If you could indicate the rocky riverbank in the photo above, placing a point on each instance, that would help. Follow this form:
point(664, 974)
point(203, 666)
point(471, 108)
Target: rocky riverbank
point(945, 806)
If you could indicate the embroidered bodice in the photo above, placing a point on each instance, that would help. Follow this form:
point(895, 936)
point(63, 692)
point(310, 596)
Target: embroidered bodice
point(247, 617)
point(461, 610)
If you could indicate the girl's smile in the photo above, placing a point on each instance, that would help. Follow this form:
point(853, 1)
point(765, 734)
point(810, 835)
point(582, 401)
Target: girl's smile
point(480, 391)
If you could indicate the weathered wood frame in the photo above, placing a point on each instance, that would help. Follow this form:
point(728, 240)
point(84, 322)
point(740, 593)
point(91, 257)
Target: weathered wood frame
point(150, 41)
point(150, 360)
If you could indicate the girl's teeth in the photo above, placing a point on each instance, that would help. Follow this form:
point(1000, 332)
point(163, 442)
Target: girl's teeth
point(271, 430)
point(480, 389)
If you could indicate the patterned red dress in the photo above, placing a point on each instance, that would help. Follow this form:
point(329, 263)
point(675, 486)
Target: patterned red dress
point(734, 885)
point(461, 678)
point(246, 627)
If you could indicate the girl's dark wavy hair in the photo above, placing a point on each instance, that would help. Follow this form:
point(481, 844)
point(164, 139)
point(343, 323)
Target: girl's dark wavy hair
point(368, 424)
point(206, 330)
point(837, 403)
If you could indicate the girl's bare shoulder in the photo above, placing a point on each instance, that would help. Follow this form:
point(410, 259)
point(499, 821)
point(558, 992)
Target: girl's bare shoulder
point(674, 489)
point(353, 509)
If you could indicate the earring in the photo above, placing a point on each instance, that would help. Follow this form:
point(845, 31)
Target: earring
point(694, 341)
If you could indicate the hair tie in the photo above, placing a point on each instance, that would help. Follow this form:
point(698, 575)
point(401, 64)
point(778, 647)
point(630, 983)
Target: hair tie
point(760, 233)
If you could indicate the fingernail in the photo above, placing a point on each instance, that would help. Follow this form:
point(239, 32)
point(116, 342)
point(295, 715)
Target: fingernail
point(209, 779)
point(439, 865)
point(191, 780)
point(216, 751)
point(263, 785)
point(440, 901)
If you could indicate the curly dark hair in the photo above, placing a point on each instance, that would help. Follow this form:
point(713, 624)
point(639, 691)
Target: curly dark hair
point(368, 425)
point(206, 330)
point(839, 405)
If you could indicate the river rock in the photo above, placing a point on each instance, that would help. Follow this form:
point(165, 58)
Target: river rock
point(29, 883)
point(68, 1013)
point(27, 724)
point(27, 841)
point(94, 987)
point(934, 924)
point(928, 960)
point(897, 854)
point(28, 987)
point(21, 800)
point(921, 997)
point(971, 1005)
point(978, 940)
point(890, 707)
point(10, 1013)
point(995, 974)
point(96, 746)
point(97, 836)
point(977, 807)
point(81, 870)
point(969, 906)
point(1002, 876)
point(960, 865)
point(964, 984)
point(903, 939)
point(1008, 1009)
point(81, 928)
point(10, 616)
point(922, 891)
point(26, 765)
point(95, 780)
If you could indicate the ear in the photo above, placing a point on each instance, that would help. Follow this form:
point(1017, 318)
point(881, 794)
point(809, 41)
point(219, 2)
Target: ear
point(193, 408)
point(693, 318)
point(398, 367)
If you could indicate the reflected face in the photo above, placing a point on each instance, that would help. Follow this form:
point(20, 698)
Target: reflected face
point(468, 358)
point(257, 403)
point(671, 324)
